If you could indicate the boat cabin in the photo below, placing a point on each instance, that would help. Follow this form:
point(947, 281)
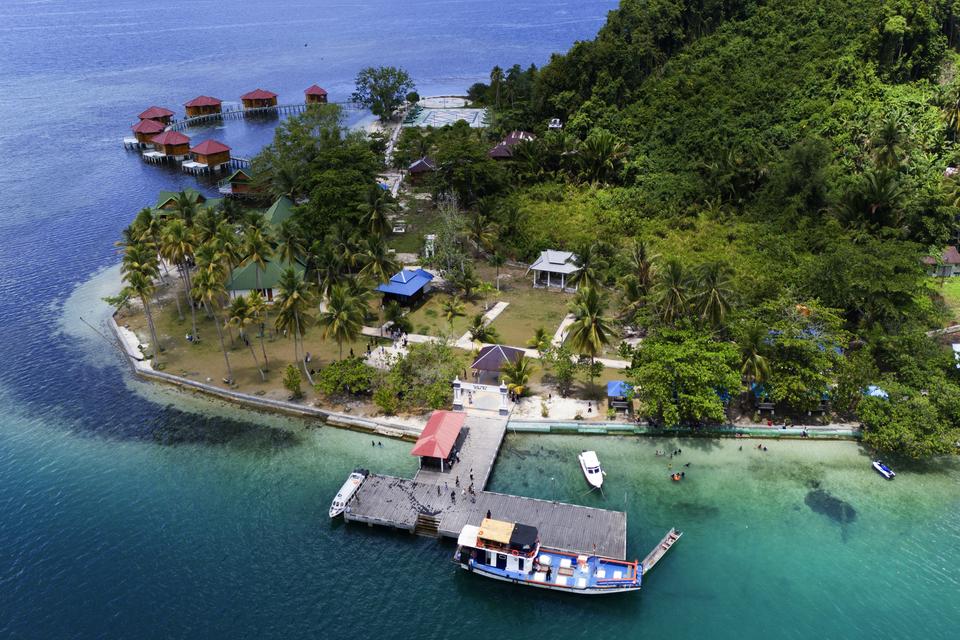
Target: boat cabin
point(258, 98)
point(505, 545)
point(315, 95)
point(159, 114)
point(203, 106)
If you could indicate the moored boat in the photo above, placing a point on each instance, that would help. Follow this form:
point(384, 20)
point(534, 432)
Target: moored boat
point(346, 491)
point(511, 552)
point(592, 471)
point(884, 470)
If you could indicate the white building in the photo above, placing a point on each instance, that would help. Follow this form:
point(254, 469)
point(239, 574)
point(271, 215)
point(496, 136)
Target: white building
point(553, 269)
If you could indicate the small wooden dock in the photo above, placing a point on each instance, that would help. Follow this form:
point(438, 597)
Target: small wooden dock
point(660, 550)
point(424, 505)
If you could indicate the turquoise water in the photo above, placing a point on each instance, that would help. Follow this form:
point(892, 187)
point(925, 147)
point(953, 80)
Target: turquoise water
point(130, 511)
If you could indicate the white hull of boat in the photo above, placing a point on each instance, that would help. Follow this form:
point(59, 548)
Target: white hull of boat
point(591, 591)
point(346, 492)
point(884, 470)
point(590, 466)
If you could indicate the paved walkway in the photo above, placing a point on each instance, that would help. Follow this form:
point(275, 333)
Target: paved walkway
point(561, 333)
point(464, 342)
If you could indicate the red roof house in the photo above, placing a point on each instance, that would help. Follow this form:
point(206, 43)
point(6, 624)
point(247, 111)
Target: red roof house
point(504, 148)
point(203, 106)
point(949, 263)
point(171, 143)
point(211, 153)
point(145, 130)
point(438, 438)
point(157, 113)
point(259, 98)
point(315, 95)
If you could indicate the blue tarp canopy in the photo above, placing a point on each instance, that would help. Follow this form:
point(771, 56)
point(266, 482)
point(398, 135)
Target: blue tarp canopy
point(618, 389)
point(876, 392)
point(406, 283)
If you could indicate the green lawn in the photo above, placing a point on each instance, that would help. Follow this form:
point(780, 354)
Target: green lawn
point(529, 309)
point(951, 294)
point(428, 318)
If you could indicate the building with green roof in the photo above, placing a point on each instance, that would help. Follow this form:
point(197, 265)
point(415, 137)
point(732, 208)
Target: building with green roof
point(279, 211)
point(243, 279)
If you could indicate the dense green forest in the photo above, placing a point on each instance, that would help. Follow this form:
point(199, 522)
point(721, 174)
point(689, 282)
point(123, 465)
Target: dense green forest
point(782, 161)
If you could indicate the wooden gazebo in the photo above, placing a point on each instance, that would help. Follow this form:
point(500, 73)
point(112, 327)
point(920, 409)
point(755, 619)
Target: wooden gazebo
point(203, 106)
point(145, 130)
point(161, 115)
point(211, 153)
point(315, 95)
point(259, 98)
point(172, 144)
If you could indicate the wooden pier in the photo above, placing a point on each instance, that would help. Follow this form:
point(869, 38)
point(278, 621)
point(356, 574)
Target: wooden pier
point(424, 505)
point(239, 112)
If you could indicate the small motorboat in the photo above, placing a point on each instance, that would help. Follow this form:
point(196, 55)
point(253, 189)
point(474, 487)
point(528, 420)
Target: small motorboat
point(591, 468)
point(884, 470)
point(346, 492)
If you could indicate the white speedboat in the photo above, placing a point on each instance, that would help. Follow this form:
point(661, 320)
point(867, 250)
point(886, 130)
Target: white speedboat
point(884, 470)
point(346, 491)
point(591, 468)
point(512, 553)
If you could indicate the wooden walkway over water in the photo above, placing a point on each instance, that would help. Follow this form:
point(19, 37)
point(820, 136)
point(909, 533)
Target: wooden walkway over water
point(424, 504)
point(239, 112)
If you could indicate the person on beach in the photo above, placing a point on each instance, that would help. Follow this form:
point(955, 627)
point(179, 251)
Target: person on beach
point(488, 514)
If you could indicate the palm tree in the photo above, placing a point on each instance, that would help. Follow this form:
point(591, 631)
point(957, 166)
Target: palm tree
point(239, 314)
point(258, 248)
point(715, 292)
point(185, 206)
point(326, 266)
point(176, 247)
point(540, 341)
point(206, 224)
point(228, 244)
point(465, 280)
point(452, 308)
point(258, 311)
point(482, 231)
point(672, 292)
point(590, 330)
point(343, 317)
point(642, 263)
point(294, 304)
point(394, 314)
point(378, 263)
point(589, 265)
point(517, 374)
point(480, 331)
point(754, 367)
point(951, 110)
point(496, 82)
point(890, 141)
point(208, 289)
point(289, 242)
point(139, 270)
point(600, 155)
point(376, 209)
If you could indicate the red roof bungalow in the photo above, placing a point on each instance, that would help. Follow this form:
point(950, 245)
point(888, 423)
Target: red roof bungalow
point(259, 98)
point(145, 130)
point(172, 143)
point(157, 113)
point(948, 266)
point(436, 443)
point(203, 106)
point(504, 148)
point(211, 153)
point(315, 95)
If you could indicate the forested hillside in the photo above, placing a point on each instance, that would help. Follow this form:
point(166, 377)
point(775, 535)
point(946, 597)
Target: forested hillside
point(766, 174)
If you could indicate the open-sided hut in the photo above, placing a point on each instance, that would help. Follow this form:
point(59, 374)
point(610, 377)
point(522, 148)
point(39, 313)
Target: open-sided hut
point(315, 95)
point(211, 153)
point(161, 115)
point(553, 268)
point(259, 98)
point(440, 439)
point(172, 144)
point(145, 130)
point(203, 106)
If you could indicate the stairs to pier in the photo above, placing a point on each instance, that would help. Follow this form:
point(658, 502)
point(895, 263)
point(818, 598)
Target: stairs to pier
point(427, 525)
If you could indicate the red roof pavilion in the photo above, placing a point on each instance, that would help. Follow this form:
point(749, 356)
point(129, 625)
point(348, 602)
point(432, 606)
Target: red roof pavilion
point(171, 138)
point(209, 147)
point(314, 90)
point(204, 101)
point(155, 113)
point(439, 436)
point(148, 127)
point(258, 94)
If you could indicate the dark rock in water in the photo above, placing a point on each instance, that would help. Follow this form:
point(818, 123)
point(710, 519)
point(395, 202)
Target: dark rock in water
point(173, 427)
point(697, 510)
point(813, 484)
point(834, 508)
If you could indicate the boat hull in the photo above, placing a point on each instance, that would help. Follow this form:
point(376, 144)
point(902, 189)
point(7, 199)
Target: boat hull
point(595, 480)
point(590, 591)
point(884, 471)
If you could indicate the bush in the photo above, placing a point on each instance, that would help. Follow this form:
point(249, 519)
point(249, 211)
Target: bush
point(291, 381)
point(351, 376)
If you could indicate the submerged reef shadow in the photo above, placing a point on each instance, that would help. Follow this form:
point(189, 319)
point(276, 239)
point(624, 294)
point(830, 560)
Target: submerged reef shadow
point(172, 426)
point(824, 503)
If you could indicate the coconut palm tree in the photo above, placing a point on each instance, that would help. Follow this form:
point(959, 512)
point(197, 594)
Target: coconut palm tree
point(600, 154)
point(464, 280)
point(890, 141)
point(672, 292)
point(540, 341)
point(482, 231)
point(208, 288)
point(754, 366)
point(290, 245)
point(295, 303)
point(452, 308)
point(590, 264)
point(343, 316)
point(257, 249)
point(326, 266)
point(185, 206)
point(517, 374)
point(714, 293)
point(375, 211)
point(239, 314)
point(396, 315)
point(206, 224)
point(343, 242)
point(496, 82)
point(591, 330)
point(176, 247)
point(480, 331)
point(139, 269)
point(378, 263)
point(228, 244)
point(257, 305)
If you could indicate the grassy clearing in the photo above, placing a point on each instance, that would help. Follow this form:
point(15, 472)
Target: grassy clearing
point(951, 294)
point(428, 318)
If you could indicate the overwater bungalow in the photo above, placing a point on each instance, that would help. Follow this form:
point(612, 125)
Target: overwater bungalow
point(161, 115)
point(315, 95)
point(237, 184)
point(145, 130)
point(203, 106)
point(407, 286)
point(169, 145)
point(244, 279)
point(209, 155)
point(258, 98)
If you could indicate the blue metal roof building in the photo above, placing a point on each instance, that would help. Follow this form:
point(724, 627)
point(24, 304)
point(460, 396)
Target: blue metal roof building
point(407, 285)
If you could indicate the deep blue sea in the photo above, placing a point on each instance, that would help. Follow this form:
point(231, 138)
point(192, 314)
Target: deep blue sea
point(129, 511)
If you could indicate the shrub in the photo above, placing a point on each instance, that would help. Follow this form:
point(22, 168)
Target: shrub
point(291, 381)
point(351, 376)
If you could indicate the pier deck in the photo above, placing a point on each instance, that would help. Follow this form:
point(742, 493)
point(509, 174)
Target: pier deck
point(424, 503)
